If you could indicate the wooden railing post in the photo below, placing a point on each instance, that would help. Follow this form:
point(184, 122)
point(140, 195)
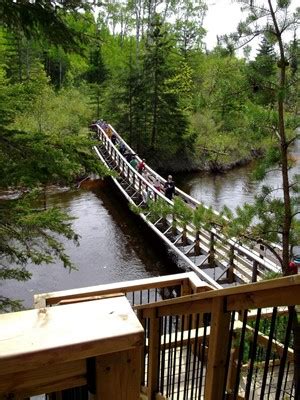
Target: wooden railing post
point(261, 248)
point(118, 375)
point(230, 275)
point(217, 351)
point(154, 348)
point(142, 320)
point(96, 344)
point(197, 248)
point(254, 271)
point(211, 258)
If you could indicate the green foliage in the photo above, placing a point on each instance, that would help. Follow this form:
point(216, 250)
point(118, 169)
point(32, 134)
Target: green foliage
point(271, 275)
point(159, 209)
point(262, 74)
point(44, 140)
point(182, 212)
point(29, 233)
point(41, 18)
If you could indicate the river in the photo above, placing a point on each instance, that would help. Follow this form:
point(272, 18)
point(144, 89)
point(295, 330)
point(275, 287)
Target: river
point(114, 245)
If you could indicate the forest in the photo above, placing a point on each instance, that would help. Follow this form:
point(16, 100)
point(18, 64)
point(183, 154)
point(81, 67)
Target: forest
point(143, 66)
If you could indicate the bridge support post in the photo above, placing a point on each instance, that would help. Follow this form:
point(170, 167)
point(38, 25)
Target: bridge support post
point(174, 230)
point(197, 249)
point(211, 258)
point(254, 271)
point(229, 274)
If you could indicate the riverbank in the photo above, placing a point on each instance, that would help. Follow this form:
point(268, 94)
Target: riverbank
point(191, 165)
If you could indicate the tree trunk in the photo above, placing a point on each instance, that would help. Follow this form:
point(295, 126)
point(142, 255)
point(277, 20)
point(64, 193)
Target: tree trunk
point(283, 148)
point(155, 104)
point(286, 194)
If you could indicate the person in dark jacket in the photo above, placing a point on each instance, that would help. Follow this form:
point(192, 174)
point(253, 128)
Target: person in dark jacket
point(169, 187)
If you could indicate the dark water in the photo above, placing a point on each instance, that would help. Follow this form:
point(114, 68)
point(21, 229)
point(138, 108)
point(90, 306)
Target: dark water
point(233, 188)
point(115, 245)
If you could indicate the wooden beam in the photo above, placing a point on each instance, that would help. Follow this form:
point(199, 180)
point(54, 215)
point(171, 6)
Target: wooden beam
point(280, 292)
point(217, 351)
point(269, 297)
point(153, 365)
point(182, 308)
point(40, 338)
point(120, 287)
point(43, 380)
point(89, 298)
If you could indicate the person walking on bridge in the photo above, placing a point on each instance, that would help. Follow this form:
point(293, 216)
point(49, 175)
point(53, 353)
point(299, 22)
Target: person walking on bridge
point(141, 166)
point(169, 187)
point(134, 162)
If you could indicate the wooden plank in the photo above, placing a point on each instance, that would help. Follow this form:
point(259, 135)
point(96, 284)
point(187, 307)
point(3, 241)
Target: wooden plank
point(266, 313)
point(89, 298)
point(124, 287)
point(217, 351)
point(191, 304)
point(43, 337)
point(285, 296)
point(258, 289)
point(183, 308)
point(118, 375)
point(43, 380)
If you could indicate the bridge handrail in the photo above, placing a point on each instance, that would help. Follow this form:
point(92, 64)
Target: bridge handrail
point(106, 140)
point(153, 172)
point(133, 170)
point(187, 197)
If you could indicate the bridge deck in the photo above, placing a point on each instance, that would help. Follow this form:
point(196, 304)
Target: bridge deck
point(216, 259)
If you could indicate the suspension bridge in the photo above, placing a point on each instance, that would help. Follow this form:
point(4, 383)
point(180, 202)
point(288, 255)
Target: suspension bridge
point(216, 259)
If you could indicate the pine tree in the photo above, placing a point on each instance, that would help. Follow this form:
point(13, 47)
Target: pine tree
point(262, 73)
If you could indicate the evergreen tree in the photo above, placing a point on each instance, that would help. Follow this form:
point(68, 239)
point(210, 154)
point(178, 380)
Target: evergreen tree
point(262, 73)
point(165, 122)
point(43, 140)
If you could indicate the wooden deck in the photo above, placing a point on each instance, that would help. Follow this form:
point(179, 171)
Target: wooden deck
point(236, 342)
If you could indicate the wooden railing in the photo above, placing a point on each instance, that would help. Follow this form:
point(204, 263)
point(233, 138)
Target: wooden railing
point(238, 261)
point(141, 291)
point(259, 250)
point(234, 343)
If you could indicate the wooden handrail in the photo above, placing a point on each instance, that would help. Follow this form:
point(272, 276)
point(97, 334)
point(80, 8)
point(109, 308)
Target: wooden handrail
point(189, 278)
point(275, 292)
point(222, 324)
